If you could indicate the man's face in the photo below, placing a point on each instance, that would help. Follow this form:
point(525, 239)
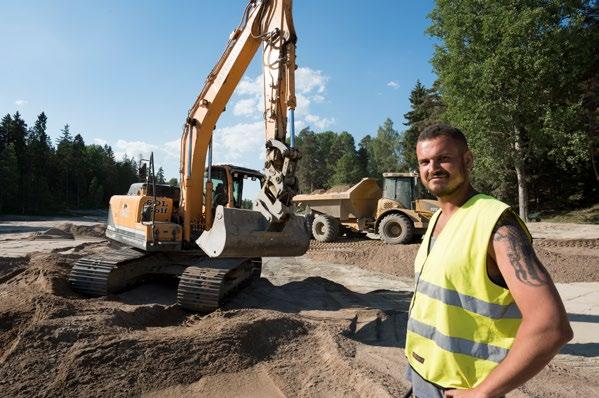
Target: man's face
point(444, 165)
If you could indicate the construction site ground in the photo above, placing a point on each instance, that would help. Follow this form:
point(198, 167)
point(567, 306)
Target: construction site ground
point(328, 324)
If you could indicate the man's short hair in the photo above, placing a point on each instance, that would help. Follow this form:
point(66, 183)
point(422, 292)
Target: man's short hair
point(439, 130)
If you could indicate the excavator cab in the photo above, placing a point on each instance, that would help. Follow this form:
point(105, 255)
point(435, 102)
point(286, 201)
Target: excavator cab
point(228, 185)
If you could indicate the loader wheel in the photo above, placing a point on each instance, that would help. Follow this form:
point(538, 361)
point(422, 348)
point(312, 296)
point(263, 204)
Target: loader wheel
point(309, 220)
point(396, 229)
point(325, 228)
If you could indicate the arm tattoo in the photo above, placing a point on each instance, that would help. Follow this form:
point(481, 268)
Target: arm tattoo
point(521, 255)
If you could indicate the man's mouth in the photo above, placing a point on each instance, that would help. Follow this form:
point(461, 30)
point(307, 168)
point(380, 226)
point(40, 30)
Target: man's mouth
point(437, 177)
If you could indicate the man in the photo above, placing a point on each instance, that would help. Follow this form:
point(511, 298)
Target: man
point(485, 316)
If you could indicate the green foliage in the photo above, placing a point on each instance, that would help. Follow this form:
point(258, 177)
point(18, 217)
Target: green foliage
point(9, 179)
point(330, 158)
point(160, 176)
point(384, 150)
point(347, 170)
point(426, 108)
point(173, 182)
point(510, 75)
point(246, 204)
point(37, 178)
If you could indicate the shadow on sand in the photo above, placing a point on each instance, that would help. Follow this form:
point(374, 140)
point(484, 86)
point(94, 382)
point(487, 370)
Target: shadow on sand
point(375, 318)
point(581, 349)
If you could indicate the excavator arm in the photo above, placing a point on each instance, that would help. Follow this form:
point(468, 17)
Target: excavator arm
point(274, 229)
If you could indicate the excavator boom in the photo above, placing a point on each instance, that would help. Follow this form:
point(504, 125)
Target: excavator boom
point(273, 229)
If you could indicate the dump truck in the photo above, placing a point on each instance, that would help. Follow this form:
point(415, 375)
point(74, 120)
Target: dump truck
point(397, 213)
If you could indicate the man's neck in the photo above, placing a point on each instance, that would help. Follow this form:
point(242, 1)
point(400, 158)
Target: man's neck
point(451, 203)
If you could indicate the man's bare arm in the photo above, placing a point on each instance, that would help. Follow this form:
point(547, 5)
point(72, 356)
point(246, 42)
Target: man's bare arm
point(544, 328)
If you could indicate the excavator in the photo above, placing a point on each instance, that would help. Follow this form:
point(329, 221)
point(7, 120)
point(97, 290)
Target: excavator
point(213, 249)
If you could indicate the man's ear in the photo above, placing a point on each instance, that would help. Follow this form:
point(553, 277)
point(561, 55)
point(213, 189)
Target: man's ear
point(468, 158)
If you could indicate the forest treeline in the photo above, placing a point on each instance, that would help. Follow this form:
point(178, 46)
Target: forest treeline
point(40, 177)
point(519, 78)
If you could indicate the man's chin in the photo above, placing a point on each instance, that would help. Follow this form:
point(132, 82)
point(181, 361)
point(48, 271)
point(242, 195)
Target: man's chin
point(443, 191)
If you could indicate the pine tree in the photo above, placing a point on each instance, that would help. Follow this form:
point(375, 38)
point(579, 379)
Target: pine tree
point(5, 126)
point(39, 148)
point(384, 150)
point(9, 180)
point(64, 154)
point(426, 109)
point(160, 176)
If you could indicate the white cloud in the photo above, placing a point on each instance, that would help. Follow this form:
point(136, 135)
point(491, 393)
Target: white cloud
point(21, 102)
point(166, 155)
point(249, 86)
point(133, 149)
point(303, 105)
point(100, 141)
point(318, 98)
point(172, 148)
point(320, 123)
point(311, 87)
point(393, 84)
point(309, 80)
point(246, 107)
point(241, 141)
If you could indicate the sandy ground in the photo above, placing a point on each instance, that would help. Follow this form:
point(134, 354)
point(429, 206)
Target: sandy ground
point(328, 324)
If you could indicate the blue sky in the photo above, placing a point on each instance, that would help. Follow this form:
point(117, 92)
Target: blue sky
point(126, 72)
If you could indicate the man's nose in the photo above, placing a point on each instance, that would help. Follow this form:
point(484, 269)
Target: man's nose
point(434, 165)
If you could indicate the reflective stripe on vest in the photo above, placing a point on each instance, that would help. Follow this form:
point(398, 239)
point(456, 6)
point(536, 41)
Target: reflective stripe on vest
point(472, 304)
point(461, 324)
point(456, 344)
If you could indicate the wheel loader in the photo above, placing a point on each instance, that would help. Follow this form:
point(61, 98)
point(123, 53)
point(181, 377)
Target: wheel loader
point(397, 213)
point(197, 232)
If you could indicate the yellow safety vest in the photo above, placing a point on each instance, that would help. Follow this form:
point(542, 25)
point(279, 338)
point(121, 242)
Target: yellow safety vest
point(461, 324)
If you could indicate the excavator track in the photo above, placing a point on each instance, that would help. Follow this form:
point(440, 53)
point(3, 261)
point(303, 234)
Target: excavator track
point(91, 275)
point(204, 283)
point(204, 288)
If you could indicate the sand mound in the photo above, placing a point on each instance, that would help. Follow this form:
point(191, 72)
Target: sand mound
point(334, 189)
point(52, 233)
point(92, 231)
point(303, 336)
point(70, 231)
point(566, 260)
point(288, 338)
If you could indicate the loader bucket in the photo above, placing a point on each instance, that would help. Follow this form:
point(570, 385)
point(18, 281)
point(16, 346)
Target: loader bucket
point(244, 233)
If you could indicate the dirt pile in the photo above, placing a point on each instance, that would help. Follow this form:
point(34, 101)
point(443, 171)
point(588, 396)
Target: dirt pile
point(299, 335)
point(303, 338)
point(574, 260)
point(70, 231)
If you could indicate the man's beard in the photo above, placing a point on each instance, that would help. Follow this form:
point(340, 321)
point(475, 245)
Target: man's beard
point(448, 189)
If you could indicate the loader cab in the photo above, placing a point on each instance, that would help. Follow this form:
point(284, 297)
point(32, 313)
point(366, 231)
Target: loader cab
point(401, 187)
point(228, 185)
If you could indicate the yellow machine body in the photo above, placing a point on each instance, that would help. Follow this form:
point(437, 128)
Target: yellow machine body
point(130, 221)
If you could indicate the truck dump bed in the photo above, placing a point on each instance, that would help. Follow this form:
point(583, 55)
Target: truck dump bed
point(357, 202)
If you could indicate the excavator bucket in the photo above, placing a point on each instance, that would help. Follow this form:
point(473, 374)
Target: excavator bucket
point(245, 233)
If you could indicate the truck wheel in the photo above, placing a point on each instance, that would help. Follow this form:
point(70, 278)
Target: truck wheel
point(396, 229)
point(325, 228)
point(309, 220)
